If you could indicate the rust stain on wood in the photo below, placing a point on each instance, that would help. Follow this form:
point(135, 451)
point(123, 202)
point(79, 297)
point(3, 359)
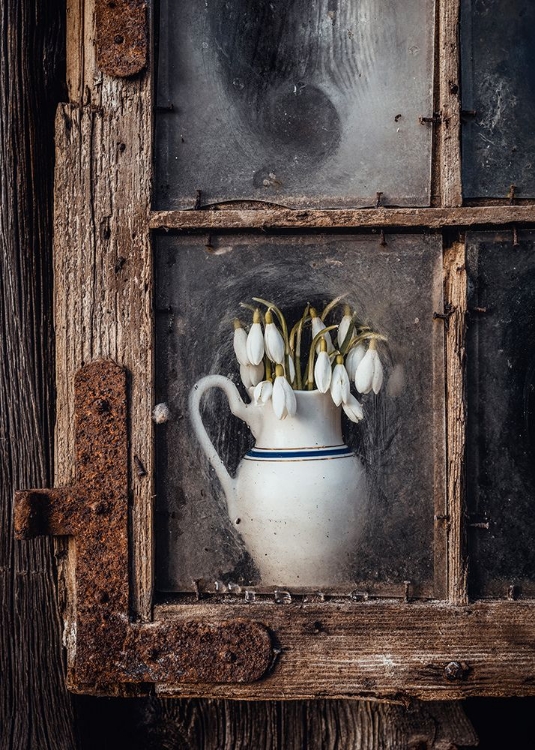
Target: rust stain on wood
point(109, 646)
point(122, 36)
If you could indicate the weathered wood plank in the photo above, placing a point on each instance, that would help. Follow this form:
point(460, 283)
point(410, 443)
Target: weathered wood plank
point(449, 132)
point(368, 218)
point(35, 708)
point(456, 301)
point(294, 725)
point(103, 265)
point(383, 649)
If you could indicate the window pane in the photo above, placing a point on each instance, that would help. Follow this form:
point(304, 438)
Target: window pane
point(498, 63)
point(501, 412)
point(297, 102)
point(400, 443)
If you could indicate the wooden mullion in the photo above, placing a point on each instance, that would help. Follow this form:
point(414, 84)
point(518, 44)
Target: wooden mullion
point(103, 268)
point(449, 131)
point(373, 218)
point(456, 304)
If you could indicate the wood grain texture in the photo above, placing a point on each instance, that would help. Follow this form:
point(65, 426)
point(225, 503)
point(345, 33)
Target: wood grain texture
point(456, 302)
point(35, 708)
point(449, 132)
point(295, 725)
point(103, 267)
point(383, 649)
point(366, 218)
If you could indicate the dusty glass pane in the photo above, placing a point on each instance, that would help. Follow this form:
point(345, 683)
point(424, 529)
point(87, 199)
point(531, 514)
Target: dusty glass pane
point(297, 102)
point(501, 412)
point(498, 84)
point(398, 488)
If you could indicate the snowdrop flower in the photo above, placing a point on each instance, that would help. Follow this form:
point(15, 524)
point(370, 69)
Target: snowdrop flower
point(353, 409)
point(263, 392)
point(273, 341)
point(290, 375)
point(369, 375)
point(255, 340)
point(240, 343)
point(353, 359)
point(322, 369)
point(251, 375)
point(340, 382)
point(283, 397)
point(317, 326)
point(344, 325)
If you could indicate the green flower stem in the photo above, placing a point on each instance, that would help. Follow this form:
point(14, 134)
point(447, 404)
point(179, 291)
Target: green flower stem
point(332, 304)
point(310, 364)
point(300, 325)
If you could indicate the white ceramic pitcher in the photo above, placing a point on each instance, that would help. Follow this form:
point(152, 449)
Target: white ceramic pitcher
point(298, 495)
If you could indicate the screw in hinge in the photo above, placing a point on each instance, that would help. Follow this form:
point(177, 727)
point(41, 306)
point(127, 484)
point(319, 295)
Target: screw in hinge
point(456, 670)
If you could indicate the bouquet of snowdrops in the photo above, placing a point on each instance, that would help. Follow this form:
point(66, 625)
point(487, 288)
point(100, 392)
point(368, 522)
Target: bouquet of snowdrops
point(270, 357)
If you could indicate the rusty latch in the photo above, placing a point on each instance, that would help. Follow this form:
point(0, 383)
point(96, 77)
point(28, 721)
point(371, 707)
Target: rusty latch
point(110, 647)
point(121, 36)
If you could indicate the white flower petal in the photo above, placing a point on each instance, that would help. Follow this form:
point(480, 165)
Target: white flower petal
point(353, 409)
point(323, 372)
point(278, 398)
point(274, 343)
point(317, 326)
point(343, 328)
point(340, 385)
point(291, 401)
point(353, 359)
point(291, 370)
point(365, 370)
point(263, 392)
point(378, 375)
point(240, 346)
point(251, 375)
point(255, 344)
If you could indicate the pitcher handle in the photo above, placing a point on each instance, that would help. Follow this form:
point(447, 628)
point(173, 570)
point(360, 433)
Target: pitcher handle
point(237, 407)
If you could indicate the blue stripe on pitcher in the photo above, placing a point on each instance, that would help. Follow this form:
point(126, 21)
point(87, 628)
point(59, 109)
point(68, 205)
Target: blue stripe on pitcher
point(266, 454)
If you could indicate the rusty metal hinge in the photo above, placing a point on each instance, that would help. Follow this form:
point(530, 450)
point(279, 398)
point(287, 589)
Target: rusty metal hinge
point(122, 36)
point(110, 647)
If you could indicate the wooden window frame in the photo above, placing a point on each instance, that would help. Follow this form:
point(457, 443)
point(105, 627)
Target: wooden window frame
point(386, 649)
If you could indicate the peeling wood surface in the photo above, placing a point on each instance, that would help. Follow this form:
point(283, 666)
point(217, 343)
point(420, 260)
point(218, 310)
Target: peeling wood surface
point(385, 649)
point(366, 218)
point(35, 709)
point(456, 303)
point(449, 132)
point(103, 265)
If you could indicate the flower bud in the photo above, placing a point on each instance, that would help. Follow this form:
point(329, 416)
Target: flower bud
point(240, 343)
point(255, 340)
